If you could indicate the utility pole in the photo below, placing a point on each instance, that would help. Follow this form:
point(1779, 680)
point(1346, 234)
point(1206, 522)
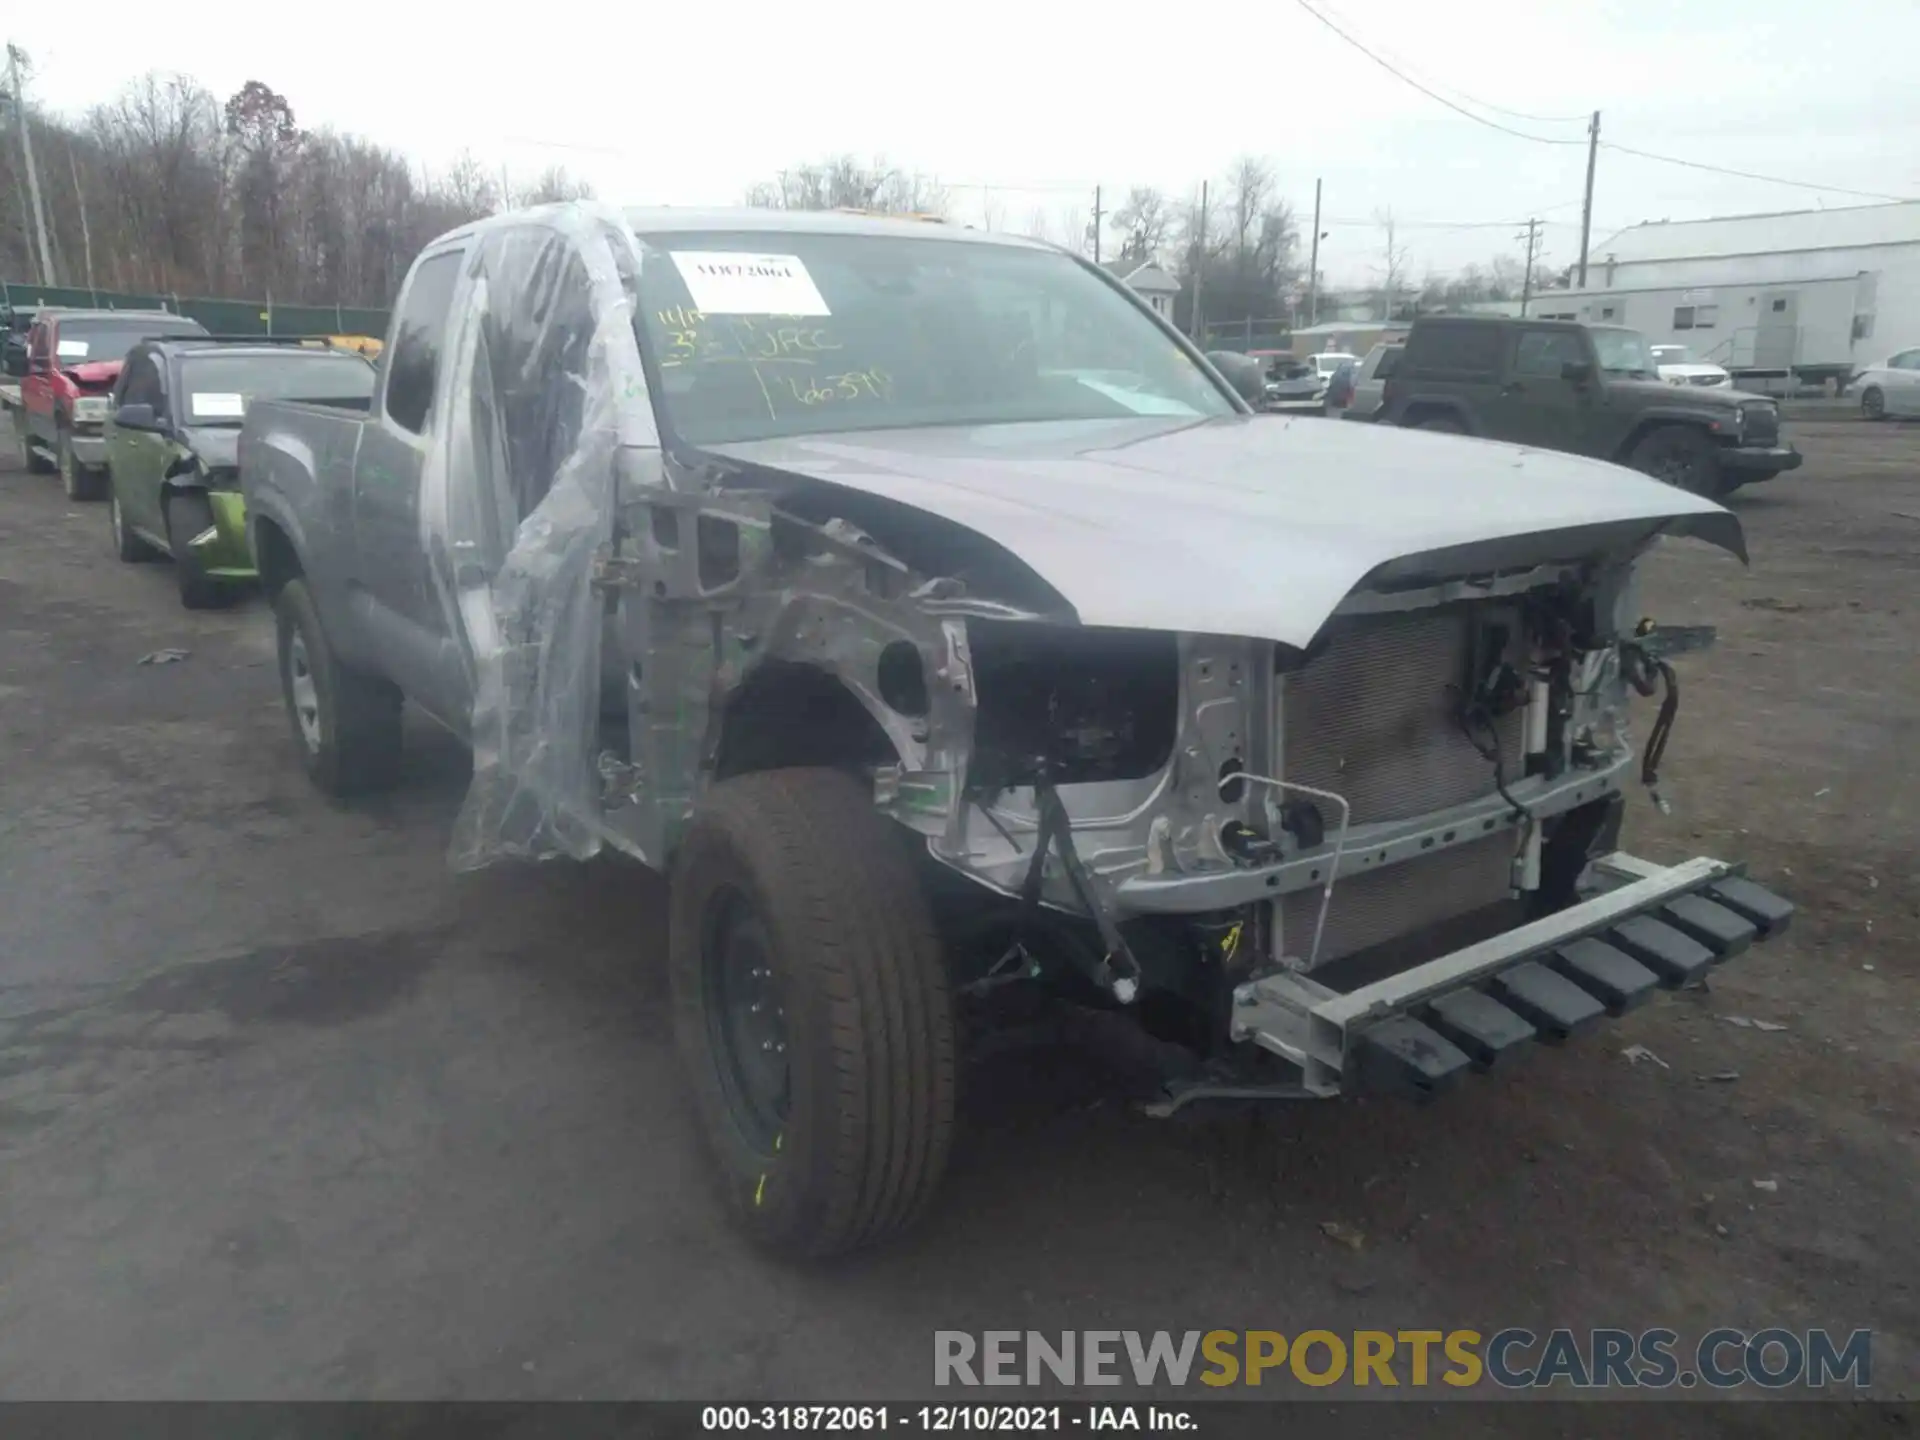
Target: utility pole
point(1313, 264)
point(1586, 208)
point(1200, 272)
point(1532, 237)
point(1098, 213)
point(19, 99)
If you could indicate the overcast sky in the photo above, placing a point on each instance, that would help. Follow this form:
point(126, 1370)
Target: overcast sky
point(1026, 107)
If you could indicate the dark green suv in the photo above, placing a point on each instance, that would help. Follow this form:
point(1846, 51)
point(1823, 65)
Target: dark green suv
point(1586, 389)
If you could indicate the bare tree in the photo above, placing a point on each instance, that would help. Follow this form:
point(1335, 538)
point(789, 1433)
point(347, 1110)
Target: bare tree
point(846, 183)
point(1075, 233)
point(1392, 269)
point(1039, 226)
point(553, 184)
point(1142, 224)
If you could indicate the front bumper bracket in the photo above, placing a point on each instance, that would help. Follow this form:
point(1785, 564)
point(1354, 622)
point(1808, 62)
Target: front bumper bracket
point(1643, 927)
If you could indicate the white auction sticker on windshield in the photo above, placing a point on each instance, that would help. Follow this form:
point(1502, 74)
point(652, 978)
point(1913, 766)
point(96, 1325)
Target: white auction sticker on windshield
point(71, 349)
point(727, 282)
point(218, 406)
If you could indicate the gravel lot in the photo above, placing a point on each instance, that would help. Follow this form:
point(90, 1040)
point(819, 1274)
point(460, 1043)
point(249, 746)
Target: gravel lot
point(289, 1110)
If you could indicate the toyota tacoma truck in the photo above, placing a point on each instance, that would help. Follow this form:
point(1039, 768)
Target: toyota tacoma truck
point(1586, 389)
point(963, 648)
point(68, 368)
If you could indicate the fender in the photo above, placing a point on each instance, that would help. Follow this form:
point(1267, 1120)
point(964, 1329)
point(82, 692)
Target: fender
point(1452, 404)
point(1657, 415)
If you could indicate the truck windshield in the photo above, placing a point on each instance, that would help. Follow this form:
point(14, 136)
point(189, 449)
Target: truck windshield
point(1624, 352)
point(216, 389)
point(83, 341)
point(763, 334)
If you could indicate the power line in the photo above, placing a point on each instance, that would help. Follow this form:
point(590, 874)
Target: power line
point(1488, 104)
point(1749, 175)
point(1393, 70)
point(1607, 144)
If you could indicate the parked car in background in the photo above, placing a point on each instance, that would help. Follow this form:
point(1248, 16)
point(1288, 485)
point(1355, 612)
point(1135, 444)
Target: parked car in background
point(1890, 387)
point(1244, 373)
point(172, 448)
point(1294, 384)
point(1328, 361)
point(1678, 367)
point(1586, 389)
point(1370, 382)
point(69, 366)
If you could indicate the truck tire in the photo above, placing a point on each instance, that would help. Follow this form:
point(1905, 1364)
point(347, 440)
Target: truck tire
point(188, 513)
point(79, 482)
point(346, 723)
point(1681, 456)
point(1873, 403)
point(811, 1009)
point(1441, 425)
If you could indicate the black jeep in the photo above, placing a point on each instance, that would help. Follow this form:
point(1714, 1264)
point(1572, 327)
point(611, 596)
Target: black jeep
point(1586, 389)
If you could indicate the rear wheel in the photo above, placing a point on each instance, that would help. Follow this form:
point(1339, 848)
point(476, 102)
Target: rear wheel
point(345, 722)
point(812, 1010)
point(80, 482)
point(190, 513)
point(1873, 403)
point(1681, 456)
point(1441, 424)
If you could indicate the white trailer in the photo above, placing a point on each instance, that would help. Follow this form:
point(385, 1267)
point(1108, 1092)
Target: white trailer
point(1765, 336)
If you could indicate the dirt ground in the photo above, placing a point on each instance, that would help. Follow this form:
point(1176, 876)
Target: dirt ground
point(289, 1110)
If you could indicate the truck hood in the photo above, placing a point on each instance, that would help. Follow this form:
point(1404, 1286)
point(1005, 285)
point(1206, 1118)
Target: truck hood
point(1652, 392)
point(1244, 525)
point(93, 376)
point(218, 446)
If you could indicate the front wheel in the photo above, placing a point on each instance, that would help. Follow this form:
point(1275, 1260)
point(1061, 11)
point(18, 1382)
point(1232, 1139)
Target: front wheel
point(811, 1009)
point(346, 723)
point(1681, 456)
point(79, 482)
point(1873, 403)
point(189, 514)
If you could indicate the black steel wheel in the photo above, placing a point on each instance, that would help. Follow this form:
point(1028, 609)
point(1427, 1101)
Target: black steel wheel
point(812, 1010)
point(1681, 456)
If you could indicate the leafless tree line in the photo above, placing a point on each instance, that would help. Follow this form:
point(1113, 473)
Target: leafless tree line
point(1246, 247)
point(166, 189)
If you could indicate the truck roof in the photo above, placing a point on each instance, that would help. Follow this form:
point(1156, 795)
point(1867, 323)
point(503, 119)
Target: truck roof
point(668, 219)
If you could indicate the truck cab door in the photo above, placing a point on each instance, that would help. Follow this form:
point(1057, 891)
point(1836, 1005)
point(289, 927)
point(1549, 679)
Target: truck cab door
point(392, 587)
point(1536, 404)
point(138, 458)
point(36, 386)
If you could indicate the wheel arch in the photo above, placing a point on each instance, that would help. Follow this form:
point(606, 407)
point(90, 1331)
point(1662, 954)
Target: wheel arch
point(790, 714)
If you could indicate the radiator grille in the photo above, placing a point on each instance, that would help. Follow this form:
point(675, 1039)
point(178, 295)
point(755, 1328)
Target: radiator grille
point(1373, 719)
point(1380, 905)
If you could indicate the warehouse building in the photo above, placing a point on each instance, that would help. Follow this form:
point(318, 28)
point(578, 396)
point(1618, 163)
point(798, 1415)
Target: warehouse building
point(1809, 293)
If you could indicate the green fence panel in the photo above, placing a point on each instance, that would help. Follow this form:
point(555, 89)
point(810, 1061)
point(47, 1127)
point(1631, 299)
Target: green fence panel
point(222, 317)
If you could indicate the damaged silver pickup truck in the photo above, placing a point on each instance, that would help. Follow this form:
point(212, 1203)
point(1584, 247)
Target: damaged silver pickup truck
point(949, 631)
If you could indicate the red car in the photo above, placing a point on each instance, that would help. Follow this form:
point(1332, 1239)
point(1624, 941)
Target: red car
point(72, 361)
